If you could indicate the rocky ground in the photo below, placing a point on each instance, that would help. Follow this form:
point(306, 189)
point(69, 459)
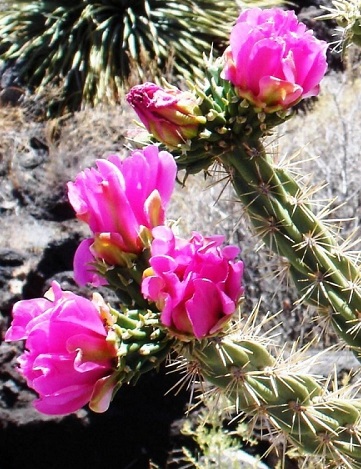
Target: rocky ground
point(38, 239)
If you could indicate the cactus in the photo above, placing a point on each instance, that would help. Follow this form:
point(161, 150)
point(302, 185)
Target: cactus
point(282, 396)
point(280, 393)
point(238, 118)
point(180, 295)
point(143, 344)
point(277, 204)
point(347, 14)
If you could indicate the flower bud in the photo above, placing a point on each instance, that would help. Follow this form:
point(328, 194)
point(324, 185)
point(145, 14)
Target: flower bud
point(172, 116)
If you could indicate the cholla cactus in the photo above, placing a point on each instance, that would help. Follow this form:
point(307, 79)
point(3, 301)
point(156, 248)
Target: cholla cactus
point(347, 14)
point(243, 99)
point(281, 396)
point(182, 295)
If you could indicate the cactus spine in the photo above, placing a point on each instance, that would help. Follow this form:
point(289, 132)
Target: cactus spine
point(277, 204)
point(292, 402)
point(347, 14)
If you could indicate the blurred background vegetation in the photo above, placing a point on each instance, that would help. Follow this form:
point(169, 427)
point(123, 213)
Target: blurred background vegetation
point(91, 49)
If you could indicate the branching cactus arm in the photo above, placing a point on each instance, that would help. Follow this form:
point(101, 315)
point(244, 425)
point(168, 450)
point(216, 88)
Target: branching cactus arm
point(241, 109)
point(293, 402)
point(324, 275)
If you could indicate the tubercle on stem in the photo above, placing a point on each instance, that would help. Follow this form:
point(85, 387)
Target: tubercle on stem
point(280, 210)
point(322, 277)
point(292, 401)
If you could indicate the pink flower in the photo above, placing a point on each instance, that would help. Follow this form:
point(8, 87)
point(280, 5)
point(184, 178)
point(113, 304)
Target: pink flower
point(195, 284)
point(172, 116)
point(121, 201)
point(272, 60)
point(68, 360)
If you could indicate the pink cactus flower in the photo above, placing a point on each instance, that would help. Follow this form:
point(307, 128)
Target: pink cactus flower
point(68, 359)
point(121, 201)
point(272, 60)
point(195, 284)
point(172, 116)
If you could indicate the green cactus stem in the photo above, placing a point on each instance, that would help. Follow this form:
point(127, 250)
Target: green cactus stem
point(293, 402)
point(323, 274)
point(125, 280)
point(142, 343)
point(277, 204)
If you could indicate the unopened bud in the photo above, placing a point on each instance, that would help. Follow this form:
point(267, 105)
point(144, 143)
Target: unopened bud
point(172, 116)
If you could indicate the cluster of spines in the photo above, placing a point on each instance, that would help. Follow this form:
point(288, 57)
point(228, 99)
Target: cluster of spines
point(278, 393)
point(347, 14)
point(278, 205)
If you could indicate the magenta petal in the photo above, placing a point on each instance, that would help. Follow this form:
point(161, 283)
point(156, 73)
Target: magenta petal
point(228, 305)
point(79, 313)
point(75, 196)
point(57, 372)
point(312, 70)
point(84, 272)
point(58, 377)
point(92, 351)
point(150, 170)
point(163, 264)
point(275, 92)
point(230, 252)
point(164, 241)
point(26, 369)
point(85, 196)
point(233, 286)
point(152, 287)
point(136, 169)
point(23, 313)
point(102, 393)
point(266, 60)
point(204, 308)
point(65, 402)
point(153, 209)
point(115, 203)
point(168, 311)
point(163, 171)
